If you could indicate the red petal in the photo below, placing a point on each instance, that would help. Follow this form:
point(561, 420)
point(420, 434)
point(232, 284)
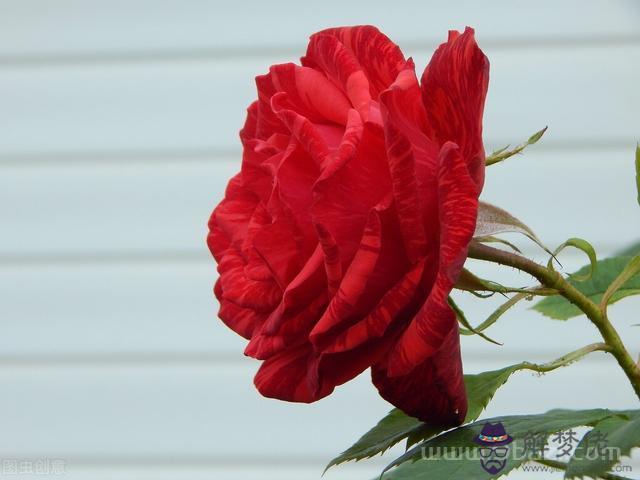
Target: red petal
point(412, 160)
point(285, 376)
point(379, 58)
point(292, 320)
point(310, 93)
point(332, 264)
point(243, 321)
point(267, 123)
point(326, 53)
point(255, 172)
point(434, 391)
point(238, 287)
point(279, 250)
point(354, 181)
point(251, 123)
point(454, 86)
point(291, 199)
point(396, 304)
point(337, 368)
point(375, 268)
point(233, 215)
point(458, 207)
point(299, 374)
point(307, 133)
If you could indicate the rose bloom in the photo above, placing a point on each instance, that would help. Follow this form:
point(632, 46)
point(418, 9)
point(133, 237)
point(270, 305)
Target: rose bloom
point(339, 241)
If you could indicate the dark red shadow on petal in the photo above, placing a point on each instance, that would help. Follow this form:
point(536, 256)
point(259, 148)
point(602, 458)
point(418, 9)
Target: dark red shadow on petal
point(434, 391)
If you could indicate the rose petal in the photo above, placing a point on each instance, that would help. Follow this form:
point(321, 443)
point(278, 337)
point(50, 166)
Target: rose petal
point(332, 264)
point(458, 207)
point(248, 131)
point(307, 133)
point(285, 376)
point(234, 212)
point(261, 295)
point(310, 93)
point(327, 54)
point(301, 305)
point(454, 87)
point(355, 180)
point(397, 303)
point(434, 391)
point(379, 58)
point(412, 161)
point(292, 198)
point(267, 122)
point(243, 321)
point(375, 268)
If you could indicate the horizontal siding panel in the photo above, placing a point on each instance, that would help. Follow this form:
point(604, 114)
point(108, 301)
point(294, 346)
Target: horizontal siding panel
point(37, 27)
point(166, 314)
point(201, 105)
point(357, 471)
point(146, 211)
point(175, 414)
point(119, 125)
point(78, 470)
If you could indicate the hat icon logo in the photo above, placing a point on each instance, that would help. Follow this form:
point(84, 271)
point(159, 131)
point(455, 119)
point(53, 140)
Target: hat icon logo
point(494, 442)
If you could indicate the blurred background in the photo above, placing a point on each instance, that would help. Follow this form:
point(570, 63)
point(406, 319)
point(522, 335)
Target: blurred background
point(118, 132)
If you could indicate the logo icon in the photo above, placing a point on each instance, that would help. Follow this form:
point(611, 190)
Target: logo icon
point(494, 447)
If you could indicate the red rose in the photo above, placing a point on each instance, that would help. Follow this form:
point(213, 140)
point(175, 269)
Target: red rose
point(342, 236)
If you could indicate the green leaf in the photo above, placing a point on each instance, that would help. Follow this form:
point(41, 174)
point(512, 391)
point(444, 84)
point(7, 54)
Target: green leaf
point(393, 428)
point(492, 220)
point(502, 154)
point(502, 309)
point(602, 448)
point(397, 426)
point(630, 251)
point(491, 239)
point(425, 461)
point(482, 387)
point(638, 171)
point(594, 288)
point(587, 248)
point(480, 390)
point(462, 318)
point(469, 282)
point(631, 270)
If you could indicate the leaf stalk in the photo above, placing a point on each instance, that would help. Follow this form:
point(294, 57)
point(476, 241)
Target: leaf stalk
point(552, 279)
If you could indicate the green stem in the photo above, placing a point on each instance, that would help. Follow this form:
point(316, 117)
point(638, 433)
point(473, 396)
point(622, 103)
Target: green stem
point(566, 359)
point(552, 279)
point(563, 466)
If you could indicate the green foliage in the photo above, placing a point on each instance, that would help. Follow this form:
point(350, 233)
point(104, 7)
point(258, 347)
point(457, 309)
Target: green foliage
point(504, 153)
point(493, 220)
point(606, 273)
point(501, 310)
point(393, 428)
point(630, 251)
point(482, 387)
point(638, 171)
point(587, 248)
point(397, 426)
point(462, 318)
point(630, 271)
point(602, 448)
point(461, 456)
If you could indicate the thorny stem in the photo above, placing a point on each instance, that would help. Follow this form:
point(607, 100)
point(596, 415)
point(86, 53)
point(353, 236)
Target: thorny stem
point(552, 279)
point(566, 359)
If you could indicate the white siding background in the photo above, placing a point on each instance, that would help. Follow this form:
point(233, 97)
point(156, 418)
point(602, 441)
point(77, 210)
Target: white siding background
point(118, 132)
